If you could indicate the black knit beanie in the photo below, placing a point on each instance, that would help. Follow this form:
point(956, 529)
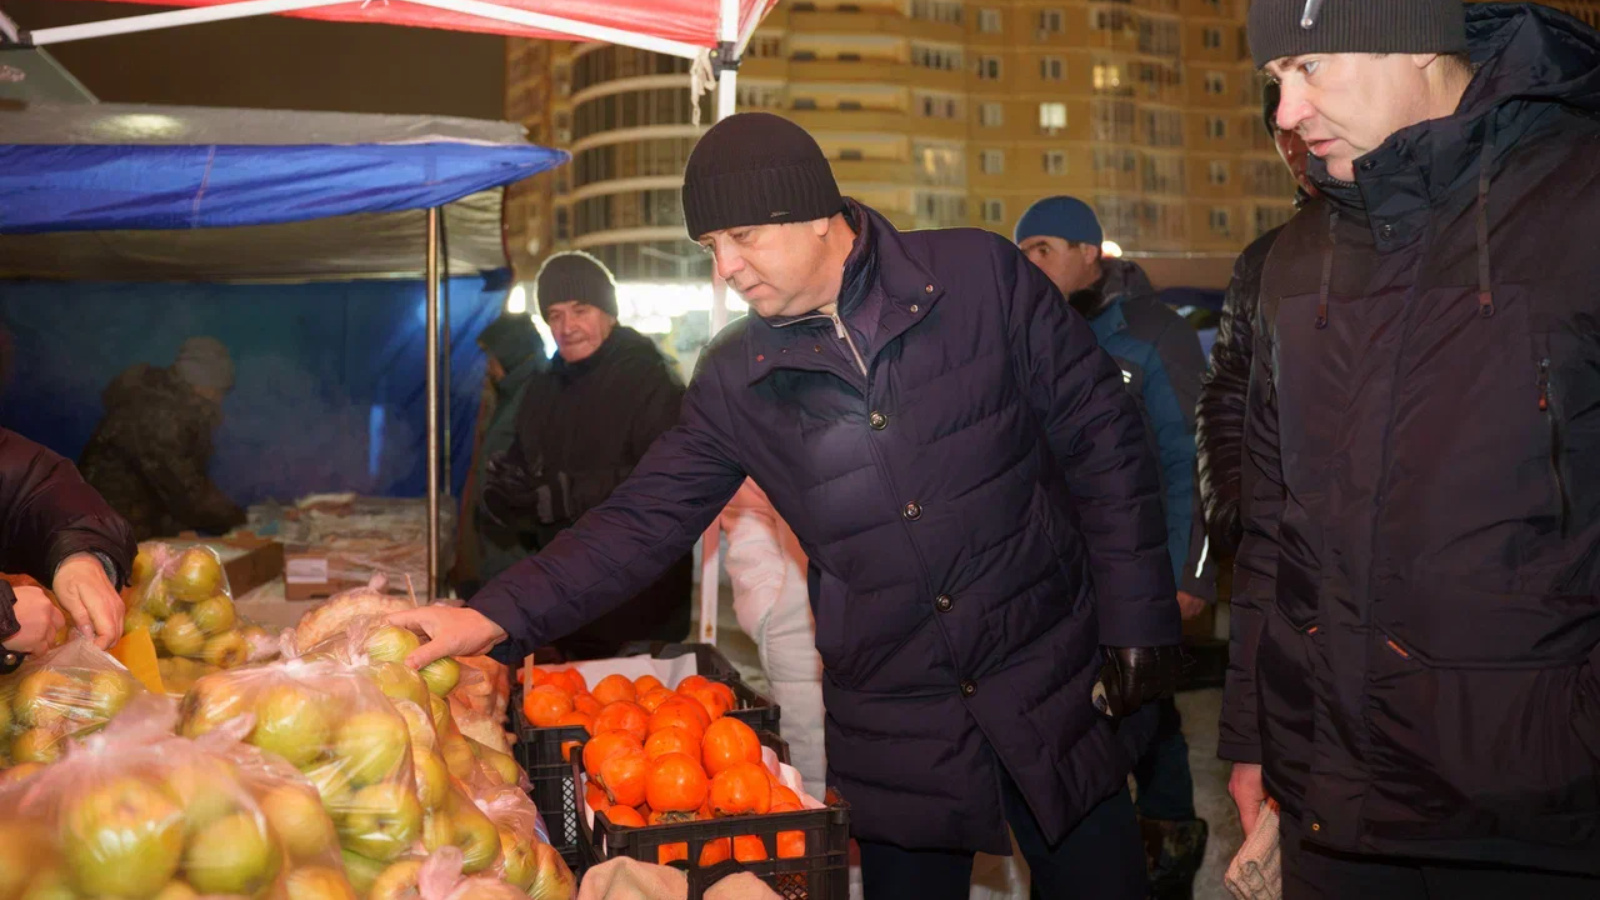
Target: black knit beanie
point(511, 339)
point(756, 169)
point(1280, 28)
point(575, 275)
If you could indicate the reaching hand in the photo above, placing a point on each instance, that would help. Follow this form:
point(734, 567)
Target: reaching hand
point(1189, 605)
point(1248, 794)
point(450, 630)
point(90, 599)
point(39, 618)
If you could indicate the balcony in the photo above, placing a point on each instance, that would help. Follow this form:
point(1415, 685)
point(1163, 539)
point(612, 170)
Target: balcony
point(833, 22)
point(864, 71)
point(873, 171)
point(865, 120)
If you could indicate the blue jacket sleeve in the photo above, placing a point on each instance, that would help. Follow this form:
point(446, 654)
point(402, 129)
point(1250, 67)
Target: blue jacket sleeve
point(1095, 432)
point(624, 544)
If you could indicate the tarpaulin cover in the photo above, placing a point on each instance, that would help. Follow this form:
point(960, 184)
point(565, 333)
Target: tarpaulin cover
point(108, 166)
point(690, 21)
point(330, 390)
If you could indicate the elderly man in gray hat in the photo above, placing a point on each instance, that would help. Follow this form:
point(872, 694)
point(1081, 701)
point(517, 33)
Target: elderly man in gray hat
point(150, 453)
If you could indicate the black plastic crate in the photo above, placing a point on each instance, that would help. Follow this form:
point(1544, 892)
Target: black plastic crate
point(822, 873)
point(538, 750)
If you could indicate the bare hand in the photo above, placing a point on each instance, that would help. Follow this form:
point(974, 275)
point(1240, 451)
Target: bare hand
point(90, 599)
point(1248, 794)
point(450, 630)
point(39, 618)
point(1189, 605)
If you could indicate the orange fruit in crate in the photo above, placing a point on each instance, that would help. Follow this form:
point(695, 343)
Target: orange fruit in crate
point(575, 718)
point(587, 704)
point(672, 740)
point(782, 796)
point(624, 716)
point(613, 688)
point(595, 796)
point(716, 851)
point(545, 705)
point(671, 853)
point(624, 817)
point(749, 848)
point(569, 680)
point(676, 784)
point(652, 699)
point(727, 743)
point(680, 712)
point(791, 844)
point(709, 700)
point(605, 745)
point(741, 790)
point(691, 681)
point(644, 684)
point(624, 777)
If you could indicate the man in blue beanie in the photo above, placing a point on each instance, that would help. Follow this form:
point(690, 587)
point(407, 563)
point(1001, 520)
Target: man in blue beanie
point(1162, 363)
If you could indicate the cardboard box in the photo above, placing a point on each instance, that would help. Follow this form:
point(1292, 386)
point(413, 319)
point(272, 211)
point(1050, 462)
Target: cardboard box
point(248, 560)
point(306, 576)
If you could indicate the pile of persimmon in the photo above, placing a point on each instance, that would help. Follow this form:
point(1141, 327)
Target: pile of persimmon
point(656, 756)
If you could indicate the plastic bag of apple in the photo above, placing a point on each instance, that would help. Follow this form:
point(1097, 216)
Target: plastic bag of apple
point(182, 598)
point(71, 690)
point(134, 812)
point(442, 877)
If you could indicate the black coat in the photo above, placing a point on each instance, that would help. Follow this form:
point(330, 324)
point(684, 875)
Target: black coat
point(1417, 624)
point(981, 512)
point(580, 430)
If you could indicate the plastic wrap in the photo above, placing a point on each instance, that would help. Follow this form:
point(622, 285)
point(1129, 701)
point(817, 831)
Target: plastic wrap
point(186, 605)
point(331, 618)
point(440, 877)
point(71, 690)
point(134, 812)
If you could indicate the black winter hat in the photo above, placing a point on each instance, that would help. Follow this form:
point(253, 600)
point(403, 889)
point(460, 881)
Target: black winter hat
point(756, 169)
point(1280, 28)
point(575, 275)
point(511, 339)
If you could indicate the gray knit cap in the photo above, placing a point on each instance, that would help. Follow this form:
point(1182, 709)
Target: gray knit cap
point(204, 363)
point(1280, 28)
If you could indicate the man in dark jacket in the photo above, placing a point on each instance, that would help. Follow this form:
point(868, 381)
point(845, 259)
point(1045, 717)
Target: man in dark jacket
point(970, 481)
point(514, 354)
point(583, 425)
point(1220, 417)
point(149, 455)
point(55, 528)
point(1420, 575)
point(1161, 362)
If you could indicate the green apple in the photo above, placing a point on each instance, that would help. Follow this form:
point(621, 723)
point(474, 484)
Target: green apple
point(144, 568)
point(157, 601)
point(198, 576)
point(439, 708)
point(292, 722)
point(477, 837)
point(137, 619)
point(37, 745)
point(234, 855)
point(417, 722)
point(208, 704)
point(458, 756)
point(333, 786)
point(228, 650)
point(373, 745)
point(43, 697)
point(182, 637)
point(433, 778)
point(317, 883)
point(384, 820)
point(109, 692)
point(391, 644)
point(177, 890)
point(442, 675)
point(398, 882)
point(501, 764)
point(122, 838)
point(521, 863)
point(399, 682)
point(206, 788)
point(214, 615)
point(555, 881)
point(361, 871)
point(298, 819)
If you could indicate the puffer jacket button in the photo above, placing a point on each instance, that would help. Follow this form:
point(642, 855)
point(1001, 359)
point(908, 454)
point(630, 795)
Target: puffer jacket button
point(1386, 232)
point(968, 688)
point(878, 421)
point(913, 511)
point(943, 603)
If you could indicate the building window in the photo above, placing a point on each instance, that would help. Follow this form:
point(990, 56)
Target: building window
point(850, 155)
point(1219, 172)
point(760, 96)
point(989, 68)
point(938, 106)
point(1052, 117)
point(1220, 224)
point(1216, 83)
point(989, 21)
point(994, 211)
point(940, 165)
point(940, 210)
point(1114, 20)
point(1211, 38)
point(991, 115)
point(1055, 162)
point(947, 59)
point(764, 47)
point(1216, 128)
point(1050, 68)
point(937, 11)
point(1051, 21)
point(992, 162)
point(803, 103)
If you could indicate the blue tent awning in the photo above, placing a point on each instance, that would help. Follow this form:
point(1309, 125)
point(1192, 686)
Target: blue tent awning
point(104, 166)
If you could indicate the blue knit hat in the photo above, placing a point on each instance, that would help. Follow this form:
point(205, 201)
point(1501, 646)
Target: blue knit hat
point(1062, 217)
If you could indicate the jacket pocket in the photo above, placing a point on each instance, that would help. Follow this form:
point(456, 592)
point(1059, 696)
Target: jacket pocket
point(1549, 407)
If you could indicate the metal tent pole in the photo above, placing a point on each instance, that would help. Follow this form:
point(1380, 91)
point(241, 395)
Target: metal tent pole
point(432, 276)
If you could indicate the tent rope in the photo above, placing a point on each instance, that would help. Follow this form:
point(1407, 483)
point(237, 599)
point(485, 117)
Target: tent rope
point(702, 79)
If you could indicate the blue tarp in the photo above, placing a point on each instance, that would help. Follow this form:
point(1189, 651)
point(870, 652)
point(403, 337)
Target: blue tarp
point(329, 393)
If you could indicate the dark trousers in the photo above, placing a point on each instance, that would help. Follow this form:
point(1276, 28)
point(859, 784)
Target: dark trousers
point(1101, 859)
point(1314, 873)
point(1161, 765)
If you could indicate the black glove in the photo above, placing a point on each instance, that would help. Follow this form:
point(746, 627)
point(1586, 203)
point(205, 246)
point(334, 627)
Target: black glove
point(1133, 676)
point(510, 494)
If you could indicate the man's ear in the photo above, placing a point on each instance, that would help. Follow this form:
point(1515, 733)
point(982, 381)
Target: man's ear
point(1424, 60)
point(821, 227)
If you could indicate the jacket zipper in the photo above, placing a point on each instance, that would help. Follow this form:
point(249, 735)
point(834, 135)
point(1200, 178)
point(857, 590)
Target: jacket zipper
point(1547, 403)
point(844, 335)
